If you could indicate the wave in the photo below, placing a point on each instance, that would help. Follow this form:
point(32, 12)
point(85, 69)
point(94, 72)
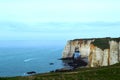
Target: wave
point(29, 59)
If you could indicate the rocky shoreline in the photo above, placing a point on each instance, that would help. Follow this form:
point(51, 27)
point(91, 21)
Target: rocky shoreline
point(72, 63)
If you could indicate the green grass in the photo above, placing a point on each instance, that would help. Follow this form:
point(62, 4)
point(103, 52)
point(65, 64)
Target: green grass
point(103, 43)
point(100, 73)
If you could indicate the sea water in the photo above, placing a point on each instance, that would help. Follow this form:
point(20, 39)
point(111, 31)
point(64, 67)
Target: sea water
point(17, 61)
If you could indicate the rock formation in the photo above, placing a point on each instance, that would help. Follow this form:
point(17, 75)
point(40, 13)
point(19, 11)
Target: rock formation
point(99, 51)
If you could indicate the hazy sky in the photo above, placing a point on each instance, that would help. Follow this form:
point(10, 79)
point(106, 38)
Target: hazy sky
point(58, 19)
point(59, 10)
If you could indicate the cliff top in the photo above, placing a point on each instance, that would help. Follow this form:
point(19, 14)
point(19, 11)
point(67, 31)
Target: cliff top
point(109, 38)
point(102, 43)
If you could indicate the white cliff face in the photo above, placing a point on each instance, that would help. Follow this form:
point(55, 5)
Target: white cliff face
point(114, 52)
point(83, 46)
point(96, 56)
point(105, 56)
point(67, 50)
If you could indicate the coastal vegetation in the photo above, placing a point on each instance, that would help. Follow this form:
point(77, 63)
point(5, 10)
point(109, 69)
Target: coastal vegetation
point(99, 73)
point(102, 43)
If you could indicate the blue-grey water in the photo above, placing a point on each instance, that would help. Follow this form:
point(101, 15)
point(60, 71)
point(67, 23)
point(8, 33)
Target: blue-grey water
point(17, 61)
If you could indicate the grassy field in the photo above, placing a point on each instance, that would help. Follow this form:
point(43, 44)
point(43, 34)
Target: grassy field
point(100, 73)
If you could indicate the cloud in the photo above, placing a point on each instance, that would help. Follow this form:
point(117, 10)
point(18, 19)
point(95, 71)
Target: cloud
point(58, 31)
point(54, 26)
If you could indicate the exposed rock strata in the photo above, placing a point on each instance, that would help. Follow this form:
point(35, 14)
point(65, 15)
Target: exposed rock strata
point(99, 51)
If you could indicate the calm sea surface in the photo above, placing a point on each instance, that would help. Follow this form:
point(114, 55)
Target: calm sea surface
point(18, 61)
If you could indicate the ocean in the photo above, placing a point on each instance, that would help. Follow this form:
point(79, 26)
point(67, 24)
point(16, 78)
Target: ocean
point(16, 61)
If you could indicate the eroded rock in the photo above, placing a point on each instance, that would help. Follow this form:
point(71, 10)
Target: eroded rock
point(99, 51)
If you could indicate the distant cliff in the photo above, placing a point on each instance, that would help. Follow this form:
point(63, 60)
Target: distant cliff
point(99, 51)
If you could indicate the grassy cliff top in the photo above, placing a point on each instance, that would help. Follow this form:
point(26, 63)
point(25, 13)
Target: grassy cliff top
point(102, 43)
point(109, 38)
point(100, 73)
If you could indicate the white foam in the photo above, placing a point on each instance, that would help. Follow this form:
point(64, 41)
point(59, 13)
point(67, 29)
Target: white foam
point(29, 59)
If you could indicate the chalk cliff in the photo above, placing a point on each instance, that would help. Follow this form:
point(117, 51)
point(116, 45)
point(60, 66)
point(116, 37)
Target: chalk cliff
point(99, 51)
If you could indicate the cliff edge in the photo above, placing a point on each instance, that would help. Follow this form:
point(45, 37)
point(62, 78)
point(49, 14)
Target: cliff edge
point(99, 51)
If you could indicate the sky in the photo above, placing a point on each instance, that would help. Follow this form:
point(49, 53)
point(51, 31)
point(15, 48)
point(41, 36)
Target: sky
point(60, 20)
